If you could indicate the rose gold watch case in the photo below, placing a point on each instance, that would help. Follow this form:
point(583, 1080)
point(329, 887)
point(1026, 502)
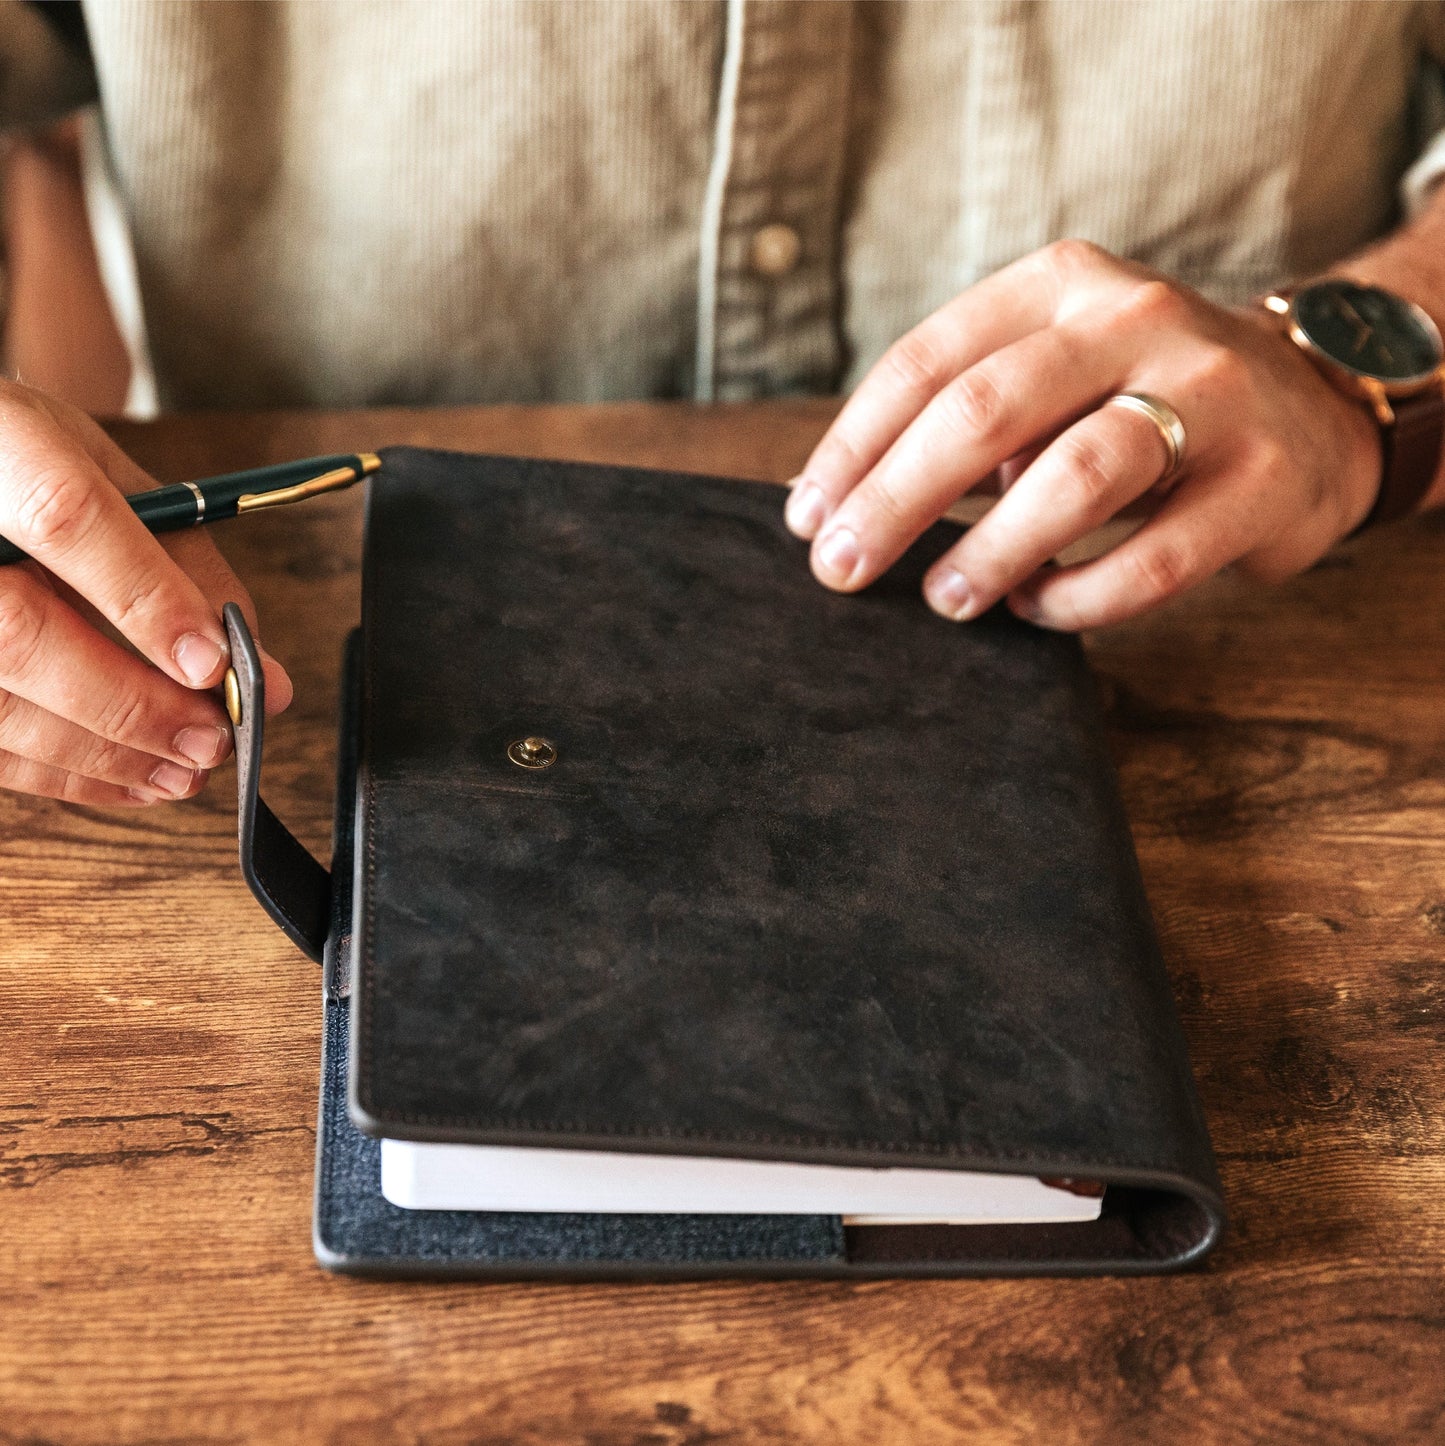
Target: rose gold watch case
point(1366, 387)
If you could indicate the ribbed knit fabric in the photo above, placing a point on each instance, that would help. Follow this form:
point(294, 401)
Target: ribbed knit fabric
point(363, 201)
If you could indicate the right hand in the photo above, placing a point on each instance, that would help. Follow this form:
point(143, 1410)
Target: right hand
point(82, 718)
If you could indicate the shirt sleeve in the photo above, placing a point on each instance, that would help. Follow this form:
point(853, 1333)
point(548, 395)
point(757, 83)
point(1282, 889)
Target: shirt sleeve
point(1428, 167)
point(45, 66)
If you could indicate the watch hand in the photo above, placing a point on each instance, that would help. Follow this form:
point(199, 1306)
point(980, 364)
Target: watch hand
point(1362, 327)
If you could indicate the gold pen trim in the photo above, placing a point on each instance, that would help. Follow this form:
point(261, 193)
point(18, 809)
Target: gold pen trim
point(326, 482)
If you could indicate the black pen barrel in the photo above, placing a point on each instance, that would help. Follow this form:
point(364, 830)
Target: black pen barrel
point(222, 493)
point(213, 499)
point(163, 510)
point(168, 508)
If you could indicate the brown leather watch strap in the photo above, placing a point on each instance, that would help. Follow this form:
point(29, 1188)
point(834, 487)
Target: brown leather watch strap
point(1411, 455)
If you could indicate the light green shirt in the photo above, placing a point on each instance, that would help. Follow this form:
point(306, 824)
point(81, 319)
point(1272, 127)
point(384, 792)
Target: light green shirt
point(371, 202)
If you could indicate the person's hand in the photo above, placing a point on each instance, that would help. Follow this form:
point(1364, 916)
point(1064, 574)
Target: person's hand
point(82, 717)
point(1014, 374)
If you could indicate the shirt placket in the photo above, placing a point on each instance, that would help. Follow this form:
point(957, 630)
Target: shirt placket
point(1008, 208)
point(769, 287)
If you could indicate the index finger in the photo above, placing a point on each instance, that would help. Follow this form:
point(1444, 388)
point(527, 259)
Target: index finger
point(991, 314)
point(1009, 400)
point(66, 510)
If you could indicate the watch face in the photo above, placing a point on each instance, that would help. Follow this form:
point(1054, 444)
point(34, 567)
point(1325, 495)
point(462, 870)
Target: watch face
point(1369, 331)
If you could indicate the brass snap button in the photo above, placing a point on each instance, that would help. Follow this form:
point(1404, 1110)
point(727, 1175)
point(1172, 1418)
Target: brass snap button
point(233, 696)
point(532, 753)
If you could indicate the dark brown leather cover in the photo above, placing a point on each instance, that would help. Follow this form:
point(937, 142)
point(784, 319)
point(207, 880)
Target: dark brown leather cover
point(813, 877)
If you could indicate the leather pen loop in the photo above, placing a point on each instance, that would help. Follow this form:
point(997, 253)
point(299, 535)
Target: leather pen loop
point(289, 884)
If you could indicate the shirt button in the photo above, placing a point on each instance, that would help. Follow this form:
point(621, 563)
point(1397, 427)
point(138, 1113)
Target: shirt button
point(775, 249)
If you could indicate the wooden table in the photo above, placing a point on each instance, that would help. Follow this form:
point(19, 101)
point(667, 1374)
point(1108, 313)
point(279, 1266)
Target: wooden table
point(1283, 759)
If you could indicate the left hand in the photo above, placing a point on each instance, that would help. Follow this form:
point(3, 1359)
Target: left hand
point(1014, 373)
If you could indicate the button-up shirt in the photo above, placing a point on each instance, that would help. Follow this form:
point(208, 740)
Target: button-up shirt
point(369, 202)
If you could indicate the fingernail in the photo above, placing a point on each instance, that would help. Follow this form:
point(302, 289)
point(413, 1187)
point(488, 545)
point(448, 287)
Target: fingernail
point(172, 780)
point(837, 555)
point(198, 658)
point(143, 795)
point(950, 594)
point(1027, 609)
point(205, 747)
point(805, 510)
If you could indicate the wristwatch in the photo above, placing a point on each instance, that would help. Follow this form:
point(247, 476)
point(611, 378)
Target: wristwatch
point(1383, 350)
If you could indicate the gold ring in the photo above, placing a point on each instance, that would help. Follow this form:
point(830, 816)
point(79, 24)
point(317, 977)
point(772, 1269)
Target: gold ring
point(1165, 418)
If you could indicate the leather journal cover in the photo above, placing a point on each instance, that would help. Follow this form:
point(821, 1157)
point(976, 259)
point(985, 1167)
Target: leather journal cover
point(803, 877)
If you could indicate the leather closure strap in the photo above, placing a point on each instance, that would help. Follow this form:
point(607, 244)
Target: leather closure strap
point(290, 885)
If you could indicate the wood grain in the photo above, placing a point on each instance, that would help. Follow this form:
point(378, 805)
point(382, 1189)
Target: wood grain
point(1283, 759)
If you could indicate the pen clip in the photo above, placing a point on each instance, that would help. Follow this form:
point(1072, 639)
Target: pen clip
point(327, 482)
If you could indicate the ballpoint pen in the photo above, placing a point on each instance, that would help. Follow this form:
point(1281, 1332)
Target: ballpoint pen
point(187, 504)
